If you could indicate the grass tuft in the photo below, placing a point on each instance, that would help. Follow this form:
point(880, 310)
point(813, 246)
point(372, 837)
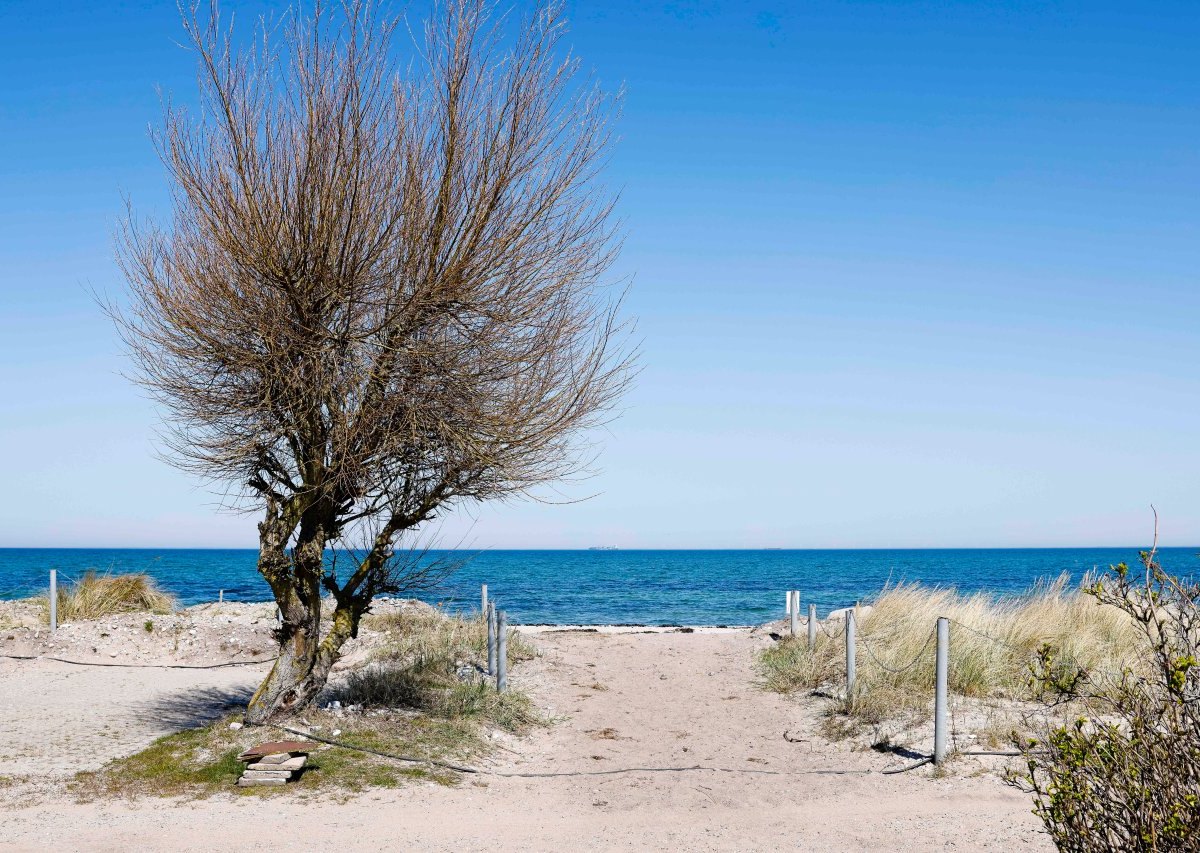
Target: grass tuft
point(430, 633)
point(434, 663)
point(95, 596)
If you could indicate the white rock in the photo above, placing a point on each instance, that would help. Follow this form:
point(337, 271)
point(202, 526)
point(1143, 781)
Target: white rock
point(235, 726)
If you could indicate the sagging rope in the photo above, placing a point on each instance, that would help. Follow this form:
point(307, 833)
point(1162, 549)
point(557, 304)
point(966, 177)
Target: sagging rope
point(821, 625)
point(1090, 671)
point(142, 665)
point(988, 636)
point(904, 668)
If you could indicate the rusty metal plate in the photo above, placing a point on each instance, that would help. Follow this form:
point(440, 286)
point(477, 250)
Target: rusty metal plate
point(303, 746)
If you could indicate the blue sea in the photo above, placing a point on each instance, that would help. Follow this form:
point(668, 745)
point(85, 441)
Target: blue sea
point(618, 587)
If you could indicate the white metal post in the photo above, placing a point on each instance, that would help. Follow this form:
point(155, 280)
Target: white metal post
point(942, 692)
point(483, 600)
point(794, 614)
point(812, 626)
point(850, 668)
point(490, 615)
point(501, 651)
point(53, 600)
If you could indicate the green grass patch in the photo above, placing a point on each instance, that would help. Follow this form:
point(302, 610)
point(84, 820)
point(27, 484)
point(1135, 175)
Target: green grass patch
point(422, 697)
point(200, 762)
point(197, 762)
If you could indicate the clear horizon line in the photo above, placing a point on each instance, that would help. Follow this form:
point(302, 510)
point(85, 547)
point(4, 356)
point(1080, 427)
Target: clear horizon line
point(618, 548)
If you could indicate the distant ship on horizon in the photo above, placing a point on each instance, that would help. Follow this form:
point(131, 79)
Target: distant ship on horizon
point(604, 548)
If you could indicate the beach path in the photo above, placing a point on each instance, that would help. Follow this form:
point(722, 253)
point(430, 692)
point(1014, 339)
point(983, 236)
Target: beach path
point(621, 700)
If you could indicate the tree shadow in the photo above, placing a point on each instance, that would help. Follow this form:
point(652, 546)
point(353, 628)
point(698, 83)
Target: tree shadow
point(193, 707)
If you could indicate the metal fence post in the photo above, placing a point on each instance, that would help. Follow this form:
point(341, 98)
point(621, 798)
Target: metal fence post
point(794, 613)
point(53, 600)
point(483, 596)
point(501, 651)
point(942, 693)
point(850, 669)
point(490, 615)
point(812, 626)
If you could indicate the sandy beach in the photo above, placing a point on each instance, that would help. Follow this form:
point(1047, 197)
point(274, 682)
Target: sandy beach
point(622, 699)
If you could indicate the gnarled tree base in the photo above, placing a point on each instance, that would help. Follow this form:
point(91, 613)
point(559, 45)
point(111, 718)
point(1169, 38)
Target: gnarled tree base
point(301, 671)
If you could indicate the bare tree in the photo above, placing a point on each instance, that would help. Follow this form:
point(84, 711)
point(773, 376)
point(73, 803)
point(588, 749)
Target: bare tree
point(382, 292)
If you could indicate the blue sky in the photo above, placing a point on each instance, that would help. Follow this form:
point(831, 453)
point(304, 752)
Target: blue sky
point(907, 275)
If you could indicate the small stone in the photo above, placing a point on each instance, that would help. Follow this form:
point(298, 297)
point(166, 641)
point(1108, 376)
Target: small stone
point(235, 726)
point(337, 732)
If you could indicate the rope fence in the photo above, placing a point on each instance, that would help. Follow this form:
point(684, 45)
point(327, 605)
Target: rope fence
point(825, 631)
point(946, 713)
point(901, 670)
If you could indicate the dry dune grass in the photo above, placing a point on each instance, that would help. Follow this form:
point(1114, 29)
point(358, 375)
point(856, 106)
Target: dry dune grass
point(434, 663)
point(95, 595)
point(992, 641)
point(428, 632)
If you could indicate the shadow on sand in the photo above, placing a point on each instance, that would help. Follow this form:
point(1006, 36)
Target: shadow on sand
point(196, 706)
point(902, 751)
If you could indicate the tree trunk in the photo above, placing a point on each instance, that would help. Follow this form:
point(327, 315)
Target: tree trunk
point(295, 679)
point(305, 658)
point(300, 673)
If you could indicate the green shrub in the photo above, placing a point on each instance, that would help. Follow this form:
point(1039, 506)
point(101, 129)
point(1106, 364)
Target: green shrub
point(1126, 776)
